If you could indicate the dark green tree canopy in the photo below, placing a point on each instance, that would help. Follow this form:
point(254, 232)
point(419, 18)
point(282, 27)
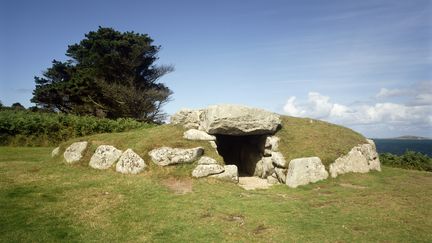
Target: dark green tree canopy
point(109, 74)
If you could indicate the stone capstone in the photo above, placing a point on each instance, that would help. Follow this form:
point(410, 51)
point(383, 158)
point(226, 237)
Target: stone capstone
point(238, 120)
point(168, 156)
point(360, 159)
point(104, 157)
point(190, 119)
point(194, 134)
point(230, 174)
point(207, 166)
point(130, 163)
point(55, 152)
point(303, 171)
point(74, 152)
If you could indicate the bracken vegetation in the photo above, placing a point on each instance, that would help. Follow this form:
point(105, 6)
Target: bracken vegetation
point(409, 160)
point(26, 128)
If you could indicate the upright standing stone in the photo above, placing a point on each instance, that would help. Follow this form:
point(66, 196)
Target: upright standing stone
point(130, 163)
point(74, 152)
point(104, 157)
point(303, 171)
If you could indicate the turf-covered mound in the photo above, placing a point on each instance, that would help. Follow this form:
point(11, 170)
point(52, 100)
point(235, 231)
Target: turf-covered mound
point(299, 137)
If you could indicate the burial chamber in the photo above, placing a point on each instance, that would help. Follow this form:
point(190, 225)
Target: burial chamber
point(240, 131)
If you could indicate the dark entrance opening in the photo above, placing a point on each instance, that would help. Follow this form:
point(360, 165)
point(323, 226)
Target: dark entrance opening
point(242, 151)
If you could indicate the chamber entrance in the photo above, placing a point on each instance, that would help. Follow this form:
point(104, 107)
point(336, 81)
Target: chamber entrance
point(242, 151)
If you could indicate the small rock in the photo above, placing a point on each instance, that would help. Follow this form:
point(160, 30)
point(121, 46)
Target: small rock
point(272, 142)
point(272, 179)
point(55, 152)
point(230, 174)
point(104, 157)
point(190, 119)
point(281, 174)
point(279, 160)
point(194, 134)
point(207, 166)
point(264, 167)
point(130, 163)
point(75, 152)
point(303, 171)
point(267, 153)
point(168, 156)
point(213, 144)
point(207, 161)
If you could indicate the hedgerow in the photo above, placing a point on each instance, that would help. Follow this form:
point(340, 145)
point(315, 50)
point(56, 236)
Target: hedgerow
point(26, 128)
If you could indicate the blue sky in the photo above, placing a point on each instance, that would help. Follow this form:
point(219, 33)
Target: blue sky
point(363, 64)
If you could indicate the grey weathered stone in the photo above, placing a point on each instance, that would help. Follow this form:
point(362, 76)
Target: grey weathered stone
point(272, 179)
point(279, 160)
point(267, 153)
point(190, 119)
point(360, 159)
point(130, 163)
point(303, 171)
point(239, 120)
point(207, 166)
point(281, 174)
point(104, 157)
point(55, 152)
point(169, 156)
point(75, 152)
point(272, 143)
point(194, 134)
point(213, 144)
point(207, 161)
point(230, 174)
point(372, 155)
point(264, 167)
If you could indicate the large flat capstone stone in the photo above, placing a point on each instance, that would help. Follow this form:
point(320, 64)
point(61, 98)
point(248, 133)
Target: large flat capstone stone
point(238, 120)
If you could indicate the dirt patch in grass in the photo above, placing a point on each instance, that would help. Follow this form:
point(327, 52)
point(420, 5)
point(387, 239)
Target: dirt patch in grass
point(178, 186)
point(239, 219)
point(259, 229)
point(349, 185)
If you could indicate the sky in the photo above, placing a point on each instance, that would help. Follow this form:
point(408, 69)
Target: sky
point(363, 64)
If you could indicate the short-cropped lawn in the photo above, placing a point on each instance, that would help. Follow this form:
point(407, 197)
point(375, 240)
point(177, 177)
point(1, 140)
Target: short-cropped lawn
point(44, 200)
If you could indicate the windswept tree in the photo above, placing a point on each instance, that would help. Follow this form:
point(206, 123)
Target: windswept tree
point(109, 74)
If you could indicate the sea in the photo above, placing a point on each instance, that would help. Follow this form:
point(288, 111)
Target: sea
point(399, 146)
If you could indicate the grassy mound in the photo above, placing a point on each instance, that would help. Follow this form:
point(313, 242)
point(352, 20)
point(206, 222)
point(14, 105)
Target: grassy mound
point(299, 138)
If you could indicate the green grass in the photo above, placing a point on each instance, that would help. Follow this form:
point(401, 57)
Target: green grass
point(45, 200)
point(305, 137)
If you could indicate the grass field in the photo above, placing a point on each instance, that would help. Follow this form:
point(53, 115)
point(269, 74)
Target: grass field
point(44, 200)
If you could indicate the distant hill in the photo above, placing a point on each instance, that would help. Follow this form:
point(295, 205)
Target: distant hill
point(408, 137)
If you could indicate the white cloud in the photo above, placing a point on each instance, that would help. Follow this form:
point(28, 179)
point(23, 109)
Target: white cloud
point(384, 93)
point(385, 113)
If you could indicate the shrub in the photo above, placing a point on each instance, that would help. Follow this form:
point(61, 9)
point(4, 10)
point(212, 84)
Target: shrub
point(409, 160)
point(26, 128)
